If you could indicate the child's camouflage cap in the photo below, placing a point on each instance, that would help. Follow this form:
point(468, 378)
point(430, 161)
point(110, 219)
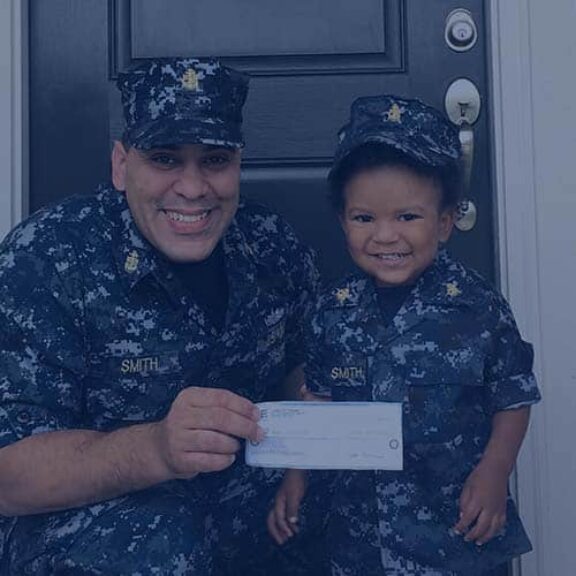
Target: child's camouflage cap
point(174, 101)
point(408, 125)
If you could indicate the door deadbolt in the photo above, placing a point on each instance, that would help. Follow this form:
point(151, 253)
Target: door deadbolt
point(460, 32)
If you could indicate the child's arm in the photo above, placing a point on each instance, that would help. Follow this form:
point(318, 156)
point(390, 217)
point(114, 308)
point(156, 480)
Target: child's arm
point(483, 499)
point(283, 517)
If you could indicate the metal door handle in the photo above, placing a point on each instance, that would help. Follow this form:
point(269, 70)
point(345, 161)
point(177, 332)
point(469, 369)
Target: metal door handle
point(466, 136)
point(462, 104)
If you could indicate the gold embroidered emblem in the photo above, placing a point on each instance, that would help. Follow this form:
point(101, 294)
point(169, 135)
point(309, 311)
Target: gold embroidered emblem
point(132, 261)
point(190, 80)
point(452, 289)
point(342, 294)
point(394, 114)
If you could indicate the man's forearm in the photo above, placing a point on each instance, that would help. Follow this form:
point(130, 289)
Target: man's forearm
point(508, 431)
point(59, 470)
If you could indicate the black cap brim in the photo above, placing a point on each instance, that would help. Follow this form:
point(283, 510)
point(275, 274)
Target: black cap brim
point(174, 132)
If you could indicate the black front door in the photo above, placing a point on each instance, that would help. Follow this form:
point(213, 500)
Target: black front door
point(308, 60)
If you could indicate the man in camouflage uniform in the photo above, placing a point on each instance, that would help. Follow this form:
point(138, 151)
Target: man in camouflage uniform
point(139, 326)
point(440, 341)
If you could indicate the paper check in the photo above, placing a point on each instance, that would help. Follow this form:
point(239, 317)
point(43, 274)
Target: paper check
point(329, 435)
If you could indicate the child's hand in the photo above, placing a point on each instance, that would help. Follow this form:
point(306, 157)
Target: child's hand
point(283, 517)
point(308, 396)
point(483, 503)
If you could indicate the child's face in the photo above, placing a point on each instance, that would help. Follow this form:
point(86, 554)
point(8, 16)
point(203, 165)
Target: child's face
point(393, 223)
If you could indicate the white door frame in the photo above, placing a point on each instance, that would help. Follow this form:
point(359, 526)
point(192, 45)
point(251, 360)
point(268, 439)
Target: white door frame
point(514, 184)
point(13, 112)
point(514, 159)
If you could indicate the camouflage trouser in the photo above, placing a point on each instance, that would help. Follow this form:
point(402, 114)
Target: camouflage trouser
point(210, 526)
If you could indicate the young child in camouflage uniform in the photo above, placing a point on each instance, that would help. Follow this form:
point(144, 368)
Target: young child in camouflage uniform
point(419, 328)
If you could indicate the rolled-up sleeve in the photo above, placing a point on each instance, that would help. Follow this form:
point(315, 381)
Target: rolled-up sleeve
point(509, 367)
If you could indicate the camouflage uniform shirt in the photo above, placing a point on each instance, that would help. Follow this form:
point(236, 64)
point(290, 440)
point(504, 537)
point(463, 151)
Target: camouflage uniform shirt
point(97, 333)
point(453, 356)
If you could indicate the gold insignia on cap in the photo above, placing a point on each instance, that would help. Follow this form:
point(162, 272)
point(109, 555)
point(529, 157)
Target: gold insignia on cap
point(132, 260)
point(452, 289)
point(190, 80)
point(394, 114)
point(342, 294)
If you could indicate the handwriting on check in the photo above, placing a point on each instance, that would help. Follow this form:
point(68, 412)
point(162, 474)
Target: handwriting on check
point(329, 435)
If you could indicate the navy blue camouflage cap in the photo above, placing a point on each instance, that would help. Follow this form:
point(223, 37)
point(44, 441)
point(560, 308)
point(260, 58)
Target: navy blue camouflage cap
point(171, 101)
point(408, 125)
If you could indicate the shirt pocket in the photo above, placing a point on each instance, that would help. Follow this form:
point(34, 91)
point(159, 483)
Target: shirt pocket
point(445, 399)
point(132, 389)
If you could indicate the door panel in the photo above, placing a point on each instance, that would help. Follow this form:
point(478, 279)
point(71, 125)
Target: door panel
point(308, 60)
point(323, 27)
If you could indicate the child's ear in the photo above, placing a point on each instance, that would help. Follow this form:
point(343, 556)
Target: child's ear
point(447, 218)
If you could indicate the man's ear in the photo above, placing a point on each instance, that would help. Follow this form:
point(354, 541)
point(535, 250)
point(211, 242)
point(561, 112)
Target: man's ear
point(119, 157)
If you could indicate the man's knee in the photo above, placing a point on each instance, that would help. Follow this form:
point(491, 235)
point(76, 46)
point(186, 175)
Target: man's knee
point(153, 532)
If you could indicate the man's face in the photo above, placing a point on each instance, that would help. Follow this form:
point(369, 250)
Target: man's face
point(393, 223)
point(182, 198)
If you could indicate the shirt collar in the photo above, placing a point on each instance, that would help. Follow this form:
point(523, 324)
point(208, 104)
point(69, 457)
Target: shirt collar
point(446, 283)
point(136, 258)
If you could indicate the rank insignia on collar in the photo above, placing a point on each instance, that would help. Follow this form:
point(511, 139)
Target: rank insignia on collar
point(394, 114)
point(342, 294)
point(132, 260)
point(452, 289)
point(190, 80)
